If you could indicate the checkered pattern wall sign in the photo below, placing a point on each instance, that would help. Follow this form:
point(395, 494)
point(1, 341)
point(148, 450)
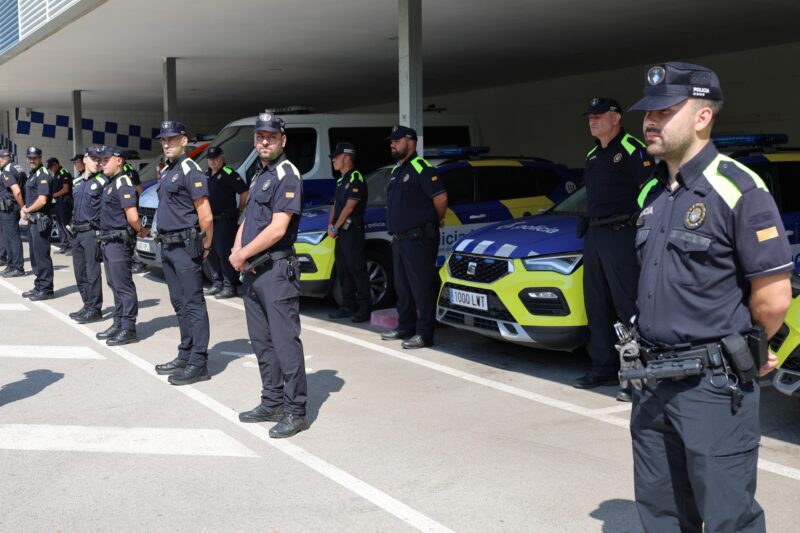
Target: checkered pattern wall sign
point(54, 126)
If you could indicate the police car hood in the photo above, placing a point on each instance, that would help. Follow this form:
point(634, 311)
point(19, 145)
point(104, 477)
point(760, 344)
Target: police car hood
point(315, 219)
point(523, 237)
point(149, 198)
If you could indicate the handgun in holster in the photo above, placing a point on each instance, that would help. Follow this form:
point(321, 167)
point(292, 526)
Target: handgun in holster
point(747, 353)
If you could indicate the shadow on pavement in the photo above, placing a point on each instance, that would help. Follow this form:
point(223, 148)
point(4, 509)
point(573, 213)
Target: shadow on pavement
point(223, 353)
point(321, 384)
point(35, 381)
point(618, 516)
point(145, 330)
point(65, 291)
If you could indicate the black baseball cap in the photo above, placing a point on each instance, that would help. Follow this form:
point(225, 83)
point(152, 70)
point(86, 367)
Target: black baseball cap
point(602, 104)
point(52, 161)
point(668, 84)
point(110, 151)
point(400, 132)
point(92, 150)
point(343, 148)
point(171, 128)
point(270, 122)
point(5, 153)
point(33, 152)
point(215, 151)
point(77, 157)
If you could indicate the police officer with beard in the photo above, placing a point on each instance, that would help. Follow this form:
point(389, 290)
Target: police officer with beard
point(264, 251)
point(38, 212)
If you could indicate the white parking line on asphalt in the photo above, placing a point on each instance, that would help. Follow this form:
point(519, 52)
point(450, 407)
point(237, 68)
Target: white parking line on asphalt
point(405, 513)
point(13, 307)
point(601, 415)
point(155, 441)
point(19, 351)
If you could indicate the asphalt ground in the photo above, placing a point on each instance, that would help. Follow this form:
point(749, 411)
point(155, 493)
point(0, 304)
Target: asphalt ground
point(470, 435)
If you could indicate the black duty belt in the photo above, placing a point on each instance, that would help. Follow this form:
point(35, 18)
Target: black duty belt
point(80, 227)
point(267, 258)
point(709, 354)
point(115, 235)
point(175, 237)
point(426, 231)
point(614, 219)
point(34, 217)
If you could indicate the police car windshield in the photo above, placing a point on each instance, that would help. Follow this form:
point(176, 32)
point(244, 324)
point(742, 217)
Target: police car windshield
point(377, 181)
point(574, 204)
point(236, 143)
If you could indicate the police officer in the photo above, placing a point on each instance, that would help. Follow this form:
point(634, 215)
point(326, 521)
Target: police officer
point(616, 168)
point(38, 212)
point(87, 195)
point(264, 251)
point(137, 267)
point(62, 202)
point(183, 206)
point(224, 184)
point(346, 226)
point(79, 166)
point(416, 207)
point(714, 263)
point(12, 178)
point(119, 227)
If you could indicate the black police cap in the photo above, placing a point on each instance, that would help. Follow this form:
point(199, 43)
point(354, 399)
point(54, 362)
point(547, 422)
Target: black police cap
point(52, 161)
point(343, 148)
point(5, 153)
point(171, 128)
point(602, 104)
point(77, 157)
point(110, 151)
point(269, 122)
point(215, 151)
point(92, 151)
point(668, 84)
point(33, 152)
point(401, 132)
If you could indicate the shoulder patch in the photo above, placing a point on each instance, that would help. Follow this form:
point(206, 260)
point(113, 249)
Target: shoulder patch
point(730, 179)
point(287, 168)
point(631, 143)
point(228, 170)
point(124, 180)
point(189, 165)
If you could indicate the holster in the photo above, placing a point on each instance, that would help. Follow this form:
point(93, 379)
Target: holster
point(746, 353)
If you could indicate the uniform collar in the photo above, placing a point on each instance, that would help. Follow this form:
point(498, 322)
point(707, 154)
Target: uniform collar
point(180, 159)
point(692, 169)
point(272, 164)
point(614, 140)
point(408, 161)
point(346, 176)
point(117, 175)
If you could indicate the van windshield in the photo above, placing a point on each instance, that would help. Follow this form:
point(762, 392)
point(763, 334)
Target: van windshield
point(574, 204)
point(236, 143)
point(377, 181)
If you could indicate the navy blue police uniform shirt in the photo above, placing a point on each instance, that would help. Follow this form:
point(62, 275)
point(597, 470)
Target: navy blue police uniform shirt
point(182, 182)
point(223, 186)
point(613, 176)
point(39, 184)
point(11, 175)
point(700, 246)
point(276, 188)
point(118, 194)
point(87, 196)
point(351, 186)
point(411, 187)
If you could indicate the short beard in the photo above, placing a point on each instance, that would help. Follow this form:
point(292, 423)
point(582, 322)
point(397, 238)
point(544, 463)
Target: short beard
point(670, 149)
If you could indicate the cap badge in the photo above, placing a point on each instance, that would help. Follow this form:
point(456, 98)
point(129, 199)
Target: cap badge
point(174, 178)
point(594, 102)
point(266, 185)
point(165, 125)
point(695, 216)
point(264, 117)
point(656, 75)
point(394, 129)
point(617, 158)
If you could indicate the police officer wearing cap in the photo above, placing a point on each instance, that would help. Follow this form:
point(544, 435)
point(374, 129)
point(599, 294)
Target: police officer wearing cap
point(79, 166)
point(38, 213)
point(87, 195)
point(416, 207)
point(616, 168)
point(137, 267)
point(715, 264)
point(119, 227)
point(264, 252)
point(346, 226)
point(12, 179)
point(224, 184)
point(62, 202)
point(185, 231)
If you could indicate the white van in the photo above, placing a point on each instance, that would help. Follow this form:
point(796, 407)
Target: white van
point(311, 137)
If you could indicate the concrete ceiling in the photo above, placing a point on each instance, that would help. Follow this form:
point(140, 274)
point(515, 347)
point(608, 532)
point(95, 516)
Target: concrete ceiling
point(241, 55)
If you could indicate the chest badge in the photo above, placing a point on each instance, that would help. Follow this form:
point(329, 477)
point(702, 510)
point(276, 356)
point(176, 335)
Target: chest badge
point(94, 186)
point(695, 216)
point(406, 178)
point(174, 178)
point(617, 158)
point(266, 185)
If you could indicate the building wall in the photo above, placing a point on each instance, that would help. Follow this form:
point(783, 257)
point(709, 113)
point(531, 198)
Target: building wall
point(543, 118)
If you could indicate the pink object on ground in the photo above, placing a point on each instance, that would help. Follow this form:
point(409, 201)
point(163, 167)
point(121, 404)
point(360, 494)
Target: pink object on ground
point(384, 318)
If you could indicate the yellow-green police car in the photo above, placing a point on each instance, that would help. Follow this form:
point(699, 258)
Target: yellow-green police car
point(786, 345)
point(480, 191)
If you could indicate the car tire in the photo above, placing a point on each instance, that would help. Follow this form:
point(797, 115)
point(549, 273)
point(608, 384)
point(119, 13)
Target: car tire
point(381, 280)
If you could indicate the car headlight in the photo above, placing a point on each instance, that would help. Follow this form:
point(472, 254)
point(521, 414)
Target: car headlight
point(563, 264)
point(311, 237)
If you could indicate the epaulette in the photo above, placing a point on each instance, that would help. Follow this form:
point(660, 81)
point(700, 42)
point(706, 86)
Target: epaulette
point(124, 180)
point(645, 192)
point(631, 143)
point(356, 175)
point(590, 152)
point(228, 170)
point(188, 165)
point(730, 179)
point(285, 167)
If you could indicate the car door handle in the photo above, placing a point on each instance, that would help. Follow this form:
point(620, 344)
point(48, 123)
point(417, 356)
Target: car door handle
point(476, 217)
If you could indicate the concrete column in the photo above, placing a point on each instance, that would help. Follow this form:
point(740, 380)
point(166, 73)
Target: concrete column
point(170, 90)
point(410, 64)
point(77, 123)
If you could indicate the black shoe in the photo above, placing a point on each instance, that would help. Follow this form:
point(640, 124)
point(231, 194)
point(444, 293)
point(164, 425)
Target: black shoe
point(190, 374)
point(125, 336)
point(395, 335)
point(416, 342)
point(5, 271)
point(224, 294)
point(3, 262)
point(41, 295)
point(289, 425)
point(79, 312)
point(28, 294)
point(111, 332)
point(262, 414)
point(212, 290)
point(176, 365)
point(138, 268)
point(624, 395)
point(357, 319)
point(14, 273)
point(593, 379)
point(89, 316)
point(340, 313)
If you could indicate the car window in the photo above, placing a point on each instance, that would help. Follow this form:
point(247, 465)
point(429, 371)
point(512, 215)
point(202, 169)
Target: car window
point(574, 204)
point(236, 142)
point(377, 181)
point(460, 185)
point(546, 178)
point(505, 182)
point(301, 147)
point(788, 177)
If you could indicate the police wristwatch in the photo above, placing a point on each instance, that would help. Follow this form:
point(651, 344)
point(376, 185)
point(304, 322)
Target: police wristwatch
point(334, 229)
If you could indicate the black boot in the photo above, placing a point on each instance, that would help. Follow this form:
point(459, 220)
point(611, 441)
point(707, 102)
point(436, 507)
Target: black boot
point(289, 425)
point(113, 331)
point(125, 336)
point(190, 374)
point(261, 413)
point(176, 365)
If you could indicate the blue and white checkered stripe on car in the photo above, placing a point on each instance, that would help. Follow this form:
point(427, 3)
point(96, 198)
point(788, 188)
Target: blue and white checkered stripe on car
point(489, 248)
